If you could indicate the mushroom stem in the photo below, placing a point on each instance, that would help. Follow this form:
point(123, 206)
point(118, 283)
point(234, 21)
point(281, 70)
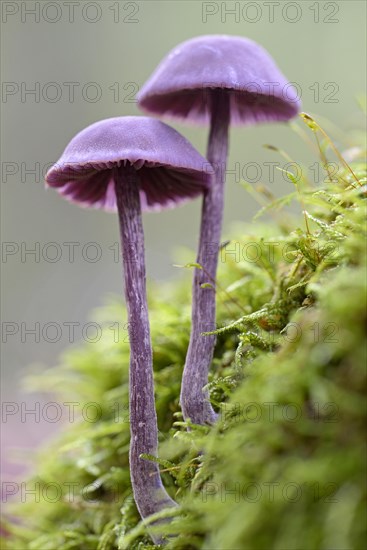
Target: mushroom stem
point(149, 493)
point(194, 400)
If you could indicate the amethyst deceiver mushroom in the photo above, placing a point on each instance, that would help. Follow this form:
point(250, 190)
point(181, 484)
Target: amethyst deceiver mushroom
point(221, 80)
point(133, 164)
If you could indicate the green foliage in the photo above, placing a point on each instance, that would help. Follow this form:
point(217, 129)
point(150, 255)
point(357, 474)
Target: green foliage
point(284, 468)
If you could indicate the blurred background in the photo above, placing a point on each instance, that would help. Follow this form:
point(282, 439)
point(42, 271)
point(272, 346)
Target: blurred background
point(66, 65)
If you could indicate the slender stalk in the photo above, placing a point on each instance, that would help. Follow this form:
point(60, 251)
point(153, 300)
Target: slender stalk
point(149, 494)
point(194, 401)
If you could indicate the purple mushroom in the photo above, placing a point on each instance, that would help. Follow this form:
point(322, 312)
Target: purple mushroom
point(217, 80)
point(133, 164)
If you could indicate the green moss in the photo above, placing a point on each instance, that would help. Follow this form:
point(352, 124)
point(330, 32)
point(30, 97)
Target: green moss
point(284, 468)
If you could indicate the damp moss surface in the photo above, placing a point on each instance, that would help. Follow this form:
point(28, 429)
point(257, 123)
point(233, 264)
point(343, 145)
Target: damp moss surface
point(285, 466)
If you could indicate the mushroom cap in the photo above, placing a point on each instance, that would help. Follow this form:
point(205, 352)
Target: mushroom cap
point(171, 171)
point(180, 86)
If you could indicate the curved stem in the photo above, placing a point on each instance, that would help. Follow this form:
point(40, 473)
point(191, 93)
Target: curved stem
point(194, 401)
point(149, 494)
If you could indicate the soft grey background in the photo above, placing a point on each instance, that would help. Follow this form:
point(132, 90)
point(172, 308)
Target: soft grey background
point(319, 48)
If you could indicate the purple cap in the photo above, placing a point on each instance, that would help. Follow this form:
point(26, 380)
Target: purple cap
point(180, 86)
point(170, 169)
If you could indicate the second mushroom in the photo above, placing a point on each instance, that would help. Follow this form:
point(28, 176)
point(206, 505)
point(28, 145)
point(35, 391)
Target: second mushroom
point(221, 80)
